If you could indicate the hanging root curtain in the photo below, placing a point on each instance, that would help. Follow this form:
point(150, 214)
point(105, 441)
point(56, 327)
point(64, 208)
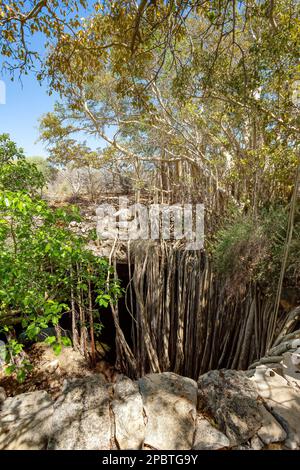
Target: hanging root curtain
point(183, 319)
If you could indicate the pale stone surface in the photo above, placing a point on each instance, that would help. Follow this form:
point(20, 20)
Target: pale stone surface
point(159, 411)
point(207, 437)
point(170, 407)
point(230, 397)
point(256, 443)
point(282, 400)
point(271, 431)
point(25, 421)
point(81, 419)
point(127, 407)
point(2, 395)
point(291, 367)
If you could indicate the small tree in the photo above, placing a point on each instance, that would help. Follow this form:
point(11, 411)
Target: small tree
point(17, 173)
point(45, 269)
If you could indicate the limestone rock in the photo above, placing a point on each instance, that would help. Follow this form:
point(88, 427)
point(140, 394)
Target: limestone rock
point(230, 397)
point(271, 431)
point(207, 437)
point(242, 447)
point(2, 395)
point(127, 407)
point(170, 407)
point(25, 421)
point(282, 400)
point(81, 419)
point(291, 368)
point(256, 443)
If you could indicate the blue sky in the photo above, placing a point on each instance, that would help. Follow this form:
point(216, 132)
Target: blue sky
point(25, 103)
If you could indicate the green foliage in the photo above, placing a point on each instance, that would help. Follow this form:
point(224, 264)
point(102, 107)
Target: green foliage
point(250, 248)
point(15, 361)
point(17, 173)
point(214, 90)
point(36, 240)
point(41, 262)
point(45, 167)
point(21, 20)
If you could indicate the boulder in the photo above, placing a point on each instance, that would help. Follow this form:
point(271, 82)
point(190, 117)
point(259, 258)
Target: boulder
point(81, 419)
point(170, 410)
point(282, 400)
point(271, 431)
point(25, 421)
point(232, 400)
point(208, 437)
point(127, 407)
point(291, 369)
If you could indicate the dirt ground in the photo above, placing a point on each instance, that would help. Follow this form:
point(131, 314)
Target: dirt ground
point(49, 371)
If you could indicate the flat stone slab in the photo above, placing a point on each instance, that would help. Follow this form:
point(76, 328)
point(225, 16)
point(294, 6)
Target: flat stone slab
point(231, 399)
point(127, 407)
point(25, 421)
point(282, 400)
point(170, 410)
point(81, 419)
point(271, 431)
point(291, 368)
point(208, 437)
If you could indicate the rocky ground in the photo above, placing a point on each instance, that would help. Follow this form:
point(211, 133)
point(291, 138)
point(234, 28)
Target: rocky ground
point(225, 409)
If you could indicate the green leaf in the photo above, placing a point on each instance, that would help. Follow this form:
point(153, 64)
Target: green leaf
point(50, 340)
point(57, 349)
point(21, 375)
point(10, 369)
point(66, 341)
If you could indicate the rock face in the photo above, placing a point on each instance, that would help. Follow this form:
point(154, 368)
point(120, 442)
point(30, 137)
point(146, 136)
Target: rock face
point(232, 400)
point(26, 421)
point(271, 431)
point(208, 437)
point(81, 418)
point(282, 400)
point(170, 407)
point(127, 408)
point(159, 411)
point(291, 367)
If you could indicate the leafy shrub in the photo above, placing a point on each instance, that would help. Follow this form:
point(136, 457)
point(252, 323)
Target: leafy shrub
point(42, 266)
point(45, 269)
point(17, 173)
point(250, 248)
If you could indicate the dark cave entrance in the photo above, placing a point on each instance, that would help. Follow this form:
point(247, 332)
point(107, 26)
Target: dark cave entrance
point(107, 338)
point(108, 334)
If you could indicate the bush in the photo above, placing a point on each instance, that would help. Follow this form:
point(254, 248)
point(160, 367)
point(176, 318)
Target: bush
point(46, 271)
point(17, 173)
point(250, 248)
